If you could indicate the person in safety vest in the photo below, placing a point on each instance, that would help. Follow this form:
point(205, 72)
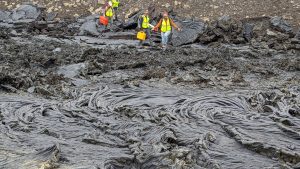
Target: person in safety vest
point(166, 25)
point(109, 12)
point(145, 26)
point(115, 6)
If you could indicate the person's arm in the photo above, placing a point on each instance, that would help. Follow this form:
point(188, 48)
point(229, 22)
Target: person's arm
point(150, 21)
point(104, 9)
point(151, 26)
point(158, 25)
point(174, 25)
point(139, 22)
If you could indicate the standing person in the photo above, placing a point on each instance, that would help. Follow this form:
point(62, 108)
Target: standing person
point(144, 25)
point(103, 9)
point(115, 6)
point(166, 25)
point(109, 13)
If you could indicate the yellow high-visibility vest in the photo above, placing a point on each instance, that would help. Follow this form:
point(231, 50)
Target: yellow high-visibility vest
point(145, 23)
point(115, 3)
point(109, 12)
point(165, 25)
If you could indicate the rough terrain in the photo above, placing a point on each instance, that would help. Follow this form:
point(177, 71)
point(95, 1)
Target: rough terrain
point(201, 9)
point(74, 95)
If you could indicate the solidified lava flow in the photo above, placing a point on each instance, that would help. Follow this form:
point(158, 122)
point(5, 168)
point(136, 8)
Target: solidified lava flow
point(82, 101)
point(150, 128)
point(160, 110)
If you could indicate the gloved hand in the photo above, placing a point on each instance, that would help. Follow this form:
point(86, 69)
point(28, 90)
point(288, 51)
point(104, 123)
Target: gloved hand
point(155, 29)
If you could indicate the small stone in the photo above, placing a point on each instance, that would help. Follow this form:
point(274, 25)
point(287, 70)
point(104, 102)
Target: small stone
point(271, 33)
point(186, 6)
point(31, 89)
point(56, 50)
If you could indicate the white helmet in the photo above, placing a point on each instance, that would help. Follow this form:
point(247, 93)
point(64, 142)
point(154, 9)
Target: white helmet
point(110, 3)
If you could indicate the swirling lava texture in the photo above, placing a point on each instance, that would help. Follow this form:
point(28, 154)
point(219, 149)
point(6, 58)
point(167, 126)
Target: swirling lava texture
point(111, 127)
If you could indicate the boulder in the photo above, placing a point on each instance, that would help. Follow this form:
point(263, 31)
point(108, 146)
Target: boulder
point(229, 25)
point(225, 23)
point(115, 27)
point(89, 28)
point(225, 30)
point(189, 34)
point(130, 24)
point(4, 16)
point(279, 24)
point(132, 21)
point(26, 12)
point(94, 17)
point(71, 71)
point(271, 34)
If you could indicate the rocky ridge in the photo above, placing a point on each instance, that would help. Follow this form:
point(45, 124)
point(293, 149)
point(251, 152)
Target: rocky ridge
point(201, 9)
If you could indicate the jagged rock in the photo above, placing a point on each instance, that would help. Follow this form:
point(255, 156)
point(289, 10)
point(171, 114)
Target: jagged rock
point(248, 31)
point(157, 73)
point(4, 16)
point(130, 24)
point(295, 41)
point(57, 50)
point(279, 24)
point(6, 25)
point(189, 34)
point(43, 91)
point(225, 29)
point(271, 33)
point(115, 27)
point(92, 18)
point(14, 33)
point(4, 33)
point(8, 88)
point(31, 89)
point(225, 23)
point(71, 71)
point(237, 77)
point(132, 21)
point(298, 35)
point(297, 166)
point(89, 28)
point(51, 16)
point(26, 12)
